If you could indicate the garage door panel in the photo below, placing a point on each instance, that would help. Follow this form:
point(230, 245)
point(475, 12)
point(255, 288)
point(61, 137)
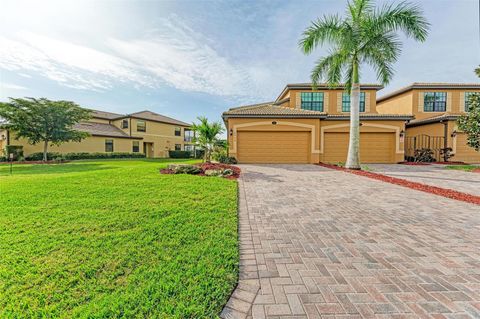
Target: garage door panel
point(374, 147)
point(273, 147)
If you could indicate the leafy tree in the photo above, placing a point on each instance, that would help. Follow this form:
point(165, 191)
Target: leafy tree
point(470, 122)
point(43, 120)
point(206, 135)
point(477, 71)
point(367, 35)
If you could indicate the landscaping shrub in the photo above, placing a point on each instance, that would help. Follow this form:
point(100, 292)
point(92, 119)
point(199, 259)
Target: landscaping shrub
point(76, 156)
point(180, 154)
point(446, 153)
point(199, 153)
point(424, 155)
point(39, 156)
point(16, 150)
point(3, 158)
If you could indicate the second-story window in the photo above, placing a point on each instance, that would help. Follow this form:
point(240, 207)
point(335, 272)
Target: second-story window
point(467, 99)
point(125, 123)
point(312, 101)
point(178, 131)
point(434, 101)
point(141, 126)
point(346, 102)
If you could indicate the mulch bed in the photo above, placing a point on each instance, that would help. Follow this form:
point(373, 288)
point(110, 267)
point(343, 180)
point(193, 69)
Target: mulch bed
point(215, 166)
point(445, 192)
point(476, 170)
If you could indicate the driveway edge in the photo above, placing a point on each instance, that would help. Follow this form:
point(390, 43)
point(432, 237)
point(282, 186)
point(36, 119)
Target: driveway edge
point(239, 306)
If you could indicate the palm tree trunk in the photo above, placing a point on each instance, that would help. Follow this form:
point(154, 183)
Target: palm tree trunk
point(45, 148)
point(353, 158)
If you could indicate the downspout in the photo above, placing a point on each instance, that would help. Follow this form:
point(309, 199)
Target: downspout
point(8, 137)
point(445, 140)
point(130, 125)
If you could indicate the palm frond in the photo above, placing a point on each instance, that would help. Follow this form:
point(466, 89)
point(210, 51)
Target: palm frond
point(477, 71)
point(329, 68)
point(326, 29)
point(404, 16)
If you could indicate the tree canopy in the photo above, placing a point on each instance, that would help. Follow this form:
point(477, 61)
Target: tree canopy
point(206, 135)
point(470, 122)
point(43, 120)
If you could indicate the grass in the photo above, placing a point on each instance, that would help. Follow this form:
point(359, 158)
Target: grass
point(115, 239)
point(467, 168)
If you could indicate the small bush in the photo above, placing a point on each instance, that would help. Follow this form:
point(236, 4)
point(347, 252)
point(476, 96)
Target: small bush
point(424, 155)
point(199, 153)
point(39, 156)
point(16, 150)
point(227, 160)
point(446, 153)
point(3, 158)
point(180, 154)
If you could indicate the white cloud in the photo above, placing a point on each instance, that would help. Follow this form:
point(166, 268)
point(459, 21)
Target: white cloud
point(11, 86)
point(173, 54)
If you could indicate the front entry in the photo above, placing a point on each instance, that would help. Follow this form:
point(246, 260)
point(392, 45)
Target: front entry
point(148, 149)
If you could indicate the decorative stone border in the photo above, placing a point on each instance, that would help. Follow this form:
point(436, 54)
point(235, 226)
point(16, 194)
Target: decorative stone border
point(445, 192)
point(239, 306)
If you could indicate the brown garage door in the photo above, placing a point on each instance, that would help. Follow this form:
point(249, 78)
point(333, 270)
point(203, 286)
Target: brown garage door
point(374, 147)
point(464, 152)
point(273, 147)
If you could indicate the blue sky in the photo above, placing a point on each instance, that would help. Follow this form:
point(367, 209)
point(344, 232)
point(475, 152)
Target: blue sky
point(190, 58)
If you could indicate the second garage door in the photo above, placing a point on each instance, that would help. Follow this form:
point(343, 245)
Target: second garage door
point(273, 147)
point(374, 147)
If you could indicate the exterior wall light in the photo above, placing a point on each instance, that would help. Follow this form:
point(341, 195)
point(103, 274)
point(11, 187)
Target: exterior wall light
point(402, 133)
point(231, 132)
point(274, 122)
point(454, 133)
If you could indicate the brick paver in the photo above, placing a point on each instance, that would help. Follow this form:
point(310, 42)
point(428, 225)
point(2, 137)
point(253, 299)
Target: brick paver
point(319, 243)
point(435, 175)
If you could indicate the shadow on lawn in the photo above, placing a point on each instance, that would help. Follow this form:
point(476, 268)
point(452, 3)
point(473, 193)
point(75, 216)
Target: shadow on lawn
point(52, 168)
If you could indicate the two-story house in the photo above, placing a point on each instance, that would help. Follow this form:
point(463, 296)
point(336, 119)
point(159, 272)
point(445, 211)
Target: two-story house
point(306, 125)
point(435, 107)
point(141, 132)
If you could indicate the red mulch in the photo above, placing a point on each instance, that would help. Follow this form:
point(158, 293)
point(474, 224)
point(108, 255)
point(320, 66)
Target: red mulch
point(205, 166)
point(445, 192)
point(449, 163)
point(476, 170)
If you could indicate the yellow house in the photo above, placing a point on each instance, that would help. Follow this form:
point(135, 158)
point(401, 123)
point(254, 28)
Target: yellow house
point(435, 107)
point(304, 125)
point(141, 132)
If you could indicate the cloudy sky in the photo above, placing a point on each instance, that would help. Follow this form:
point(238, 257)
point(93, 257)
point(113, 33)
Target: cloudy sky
point(190, 58)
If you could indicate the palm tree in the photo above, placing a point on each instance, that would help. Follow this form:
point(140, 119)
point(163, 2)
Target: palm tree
point(206, 135)
point(477, 71)
point(367, 35)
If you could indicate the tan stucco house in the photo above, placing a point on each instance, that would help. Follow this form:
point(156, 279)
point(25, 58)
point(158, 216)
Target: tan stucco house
point(435, 107)
point(306, 125)
point(141, 132)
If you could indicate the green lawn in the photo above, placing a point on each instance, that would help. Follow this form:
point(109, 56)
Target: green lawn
point(115, 239)
point(467, 168)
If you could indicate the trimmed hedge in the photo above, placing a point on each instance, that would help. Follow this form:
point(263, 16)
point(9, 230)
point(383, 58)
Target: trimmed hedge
point(180, 154)
point(83, 155)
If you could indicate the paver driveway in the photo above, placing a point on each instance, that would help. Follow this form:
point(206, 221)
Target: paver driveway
point(435, 175)
point(320, 243)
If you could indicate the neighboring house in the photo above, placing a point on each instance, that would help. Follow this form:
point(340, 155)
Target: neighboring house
point(141, 132)
point(309, 126)
point(435, 108)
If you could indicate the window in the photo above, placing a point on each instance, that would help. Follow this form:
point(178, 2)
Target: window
point(189, 148)
point(346, 102)
point(141, 126)
point(125, 123)
point(312, 101)
point(136, 146)
point(108, 145)
point(467, 100)
point(189, 134)
point(435, 101)
point(178, 131)
point(178, 147)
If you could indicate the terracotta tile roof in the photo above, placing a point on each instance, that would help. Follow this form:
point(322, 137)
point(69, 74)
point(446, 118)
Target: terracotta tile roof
point(431, 85)
point(152, 116)
point(270, 109)
point(105, 115)
point(434, 119)
point(101, 129)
